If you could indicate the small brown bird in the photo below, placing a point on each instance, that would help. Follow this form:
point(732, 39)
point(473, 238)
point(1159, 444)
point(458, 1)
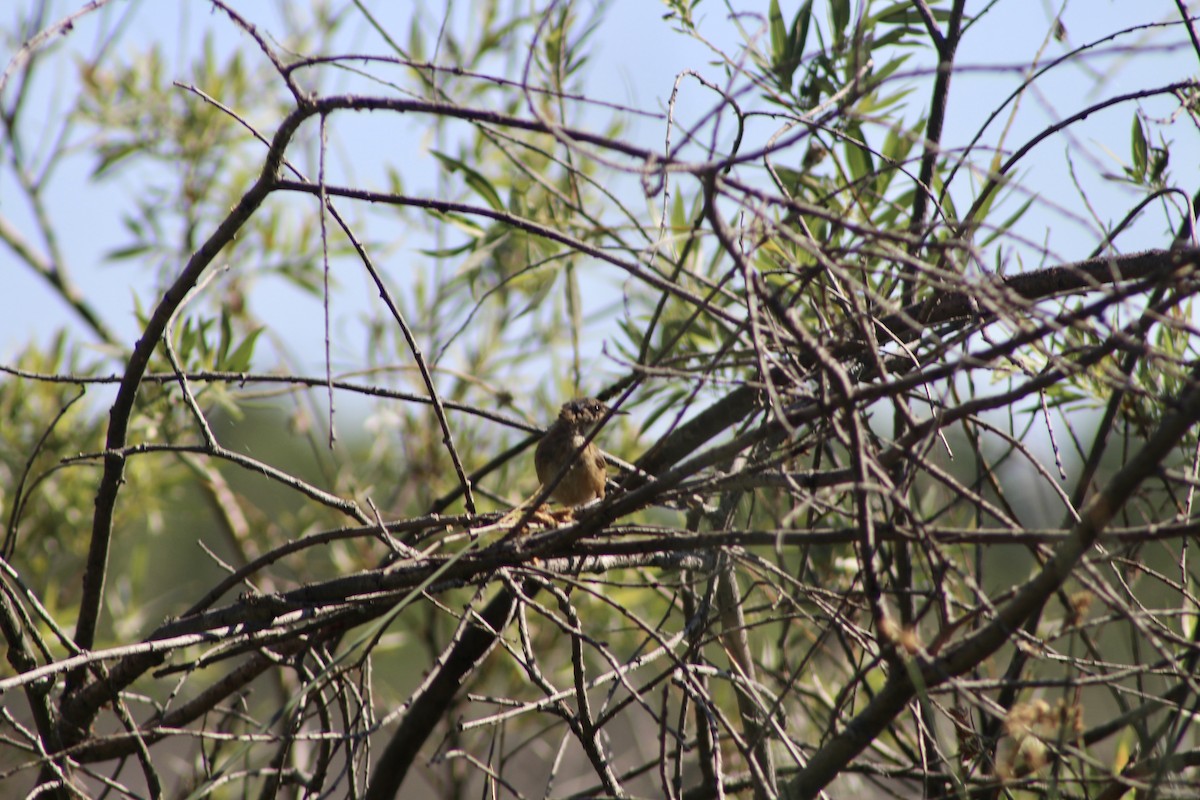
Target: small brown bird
point(584, 481)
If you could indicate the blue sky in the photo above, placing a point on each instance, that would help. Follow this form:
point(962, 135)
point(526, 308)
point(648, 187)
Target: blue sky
point(636, 60)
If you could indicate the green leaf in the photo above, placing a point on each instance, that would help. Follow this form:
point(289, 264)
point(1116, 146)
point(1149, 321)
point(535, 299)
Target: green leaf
point(897, 14)
point(839, 13)
point(800, 23)
point(113, 154)
point(226, 336)
point(193, 338)
point(896, 146)
point(239, 360)
point(1159, 157)
point(1138, 148)
point(460, 221)
point(474, 179)
point(883, 73)
point(1008, 223)
point(787, 55)
point(124, 253)
point(899, 141)
point(416, 40)
point(858, 157)
point(779, 37)
point(448, 252)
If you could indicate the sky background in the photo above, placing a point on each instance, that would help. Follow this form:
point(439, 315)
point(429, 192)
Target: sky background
point(636, 59)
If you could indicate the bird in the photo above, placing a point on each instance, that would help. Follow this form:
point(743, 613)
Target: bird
point(561, 445)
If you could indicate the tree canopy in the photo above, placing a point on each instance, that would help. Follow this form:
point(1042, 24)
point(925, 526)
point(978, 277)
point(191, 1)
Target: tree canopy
point(895, 301)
